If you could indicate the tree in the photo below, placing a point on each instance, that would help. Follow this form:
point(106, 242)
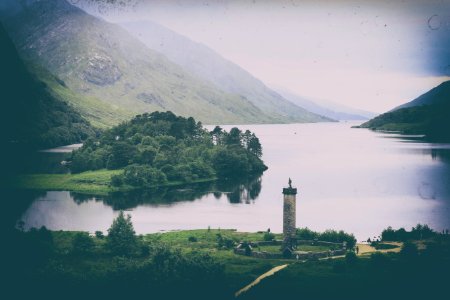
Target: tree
point(121, 236)
point(121, 155)
point(234, 137)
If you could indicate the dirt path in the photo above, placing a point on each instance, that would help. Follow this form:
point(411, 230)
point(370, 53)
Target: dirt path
point(257, 280)
point(365, 249)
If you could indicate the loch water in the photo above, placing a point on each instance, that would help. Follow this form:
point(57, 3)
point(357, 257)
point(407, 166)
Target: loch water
point(352, 179)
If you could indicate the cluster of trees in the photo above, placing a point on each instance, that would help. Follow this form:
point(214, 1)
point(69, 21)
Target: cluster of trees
point(160, 147)
point(117, 264)
point(328, 235)
point(418, 232)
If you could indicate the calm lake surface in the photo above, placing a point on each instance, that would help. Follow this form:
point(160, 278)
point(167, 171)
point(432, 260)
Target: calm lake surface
point(351, 179)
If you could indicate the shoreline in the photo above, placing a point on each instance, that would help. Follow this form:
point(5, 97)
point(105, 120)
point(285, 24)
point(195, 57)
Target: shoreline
point(91, 182)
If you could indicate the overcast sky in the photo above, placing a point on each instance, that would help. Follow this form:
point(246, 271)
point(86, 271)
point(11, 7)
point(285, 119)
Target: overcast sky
point(372, 55)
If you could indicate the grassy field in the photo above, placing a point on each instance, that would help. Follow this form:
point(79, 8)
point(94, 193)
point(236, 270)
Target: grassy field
point(345, 277)
point(239, 270)
point(90, 182)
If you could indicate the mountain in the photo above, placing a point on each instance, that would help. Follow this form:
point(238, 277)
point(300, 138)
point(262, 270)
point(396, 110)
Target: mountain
point(326, 108)
point(427, 114)
point(208, 65)
point(436, 96)
point(31, 115)
point(101, 61)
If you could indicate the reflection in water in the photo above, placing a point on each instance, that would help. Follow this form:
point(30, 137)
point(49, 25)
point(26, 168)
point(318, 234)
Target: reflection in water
point(441, 155)
point(352, 179)
point(244, 191)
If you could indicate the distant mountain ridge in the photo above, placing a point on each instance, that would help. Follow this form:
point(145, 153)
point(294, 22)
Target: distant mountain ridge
point(428, 114)
point(102, 61)
point(326, 108)
point(208, 65)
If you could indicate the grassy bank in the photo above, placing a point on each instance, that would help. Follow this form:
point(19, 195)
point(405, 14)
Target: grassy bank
point(53, 259)
point(90, 182)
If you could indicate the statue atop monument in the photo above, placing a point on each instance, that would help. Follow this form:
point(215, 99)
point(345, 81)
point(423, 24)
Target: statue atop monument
point(290, 183)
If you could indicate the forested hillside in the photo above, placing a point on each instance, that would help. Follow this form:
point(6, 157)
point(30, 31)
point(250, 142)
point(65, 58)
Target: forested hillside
point(428, 115)
point(31, 116)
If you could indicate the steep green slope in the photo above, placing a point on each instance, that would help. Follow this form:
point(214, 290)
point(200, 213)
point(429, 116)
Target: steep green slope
point(30, 114)
point(209, 65)
point(101, 60)
point(99, 113)
point(430, 117)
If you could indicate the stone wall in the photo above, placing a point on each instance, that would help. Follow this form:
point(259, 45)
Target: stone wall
point(300, 255)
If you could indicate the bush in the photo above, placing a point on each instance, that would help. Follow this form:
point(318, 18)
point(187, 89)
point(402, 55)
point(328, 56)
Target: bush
point(82, 243)
point(379, 260)
point(224, 242)
point(99, 234)
point(327, 236)
point(192, 239)
point(306, 234)
point(351, 258)
point(409, 250)
point(269, 236)
point(143, 176)
point(117, 180)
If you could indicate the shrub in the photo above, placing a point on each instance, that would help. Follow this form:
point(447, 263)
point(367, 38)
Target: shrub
point(82, 243)
point(409, 250)
point(269, 236)
point(117, 180)
point(378, 260)
point(224, 242)
point(99, 234)
point(192, 239)
point(351, 258)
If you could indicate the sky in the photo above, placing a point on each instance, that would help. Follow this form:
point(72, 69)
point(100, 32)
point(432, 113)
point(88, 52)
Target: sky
point(372, 55)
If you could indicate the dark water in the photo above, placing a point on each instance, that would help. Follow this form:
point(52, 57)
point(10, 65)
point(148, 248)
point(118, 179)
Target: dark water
point(351, 179)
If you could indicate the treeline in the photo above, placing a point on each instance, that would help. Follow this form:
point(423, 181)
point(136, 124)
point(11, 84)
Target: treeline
point(159, 147)
point(418, 232)
point(328, 235)
point(430, 120)
point(120, 264)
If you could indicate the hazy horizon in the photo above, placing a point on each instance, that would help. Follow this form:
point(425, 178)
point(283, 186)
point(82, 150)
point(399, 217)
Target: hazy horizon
point(371, 55)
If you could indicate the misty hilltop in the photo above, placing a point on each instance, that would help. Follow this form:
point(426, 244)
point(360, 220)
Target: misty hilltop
point(103, 62)
point(208, 65)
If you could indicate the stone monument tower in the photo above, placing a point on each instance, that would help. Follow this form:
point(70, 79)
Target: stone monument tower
point(289, 217)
